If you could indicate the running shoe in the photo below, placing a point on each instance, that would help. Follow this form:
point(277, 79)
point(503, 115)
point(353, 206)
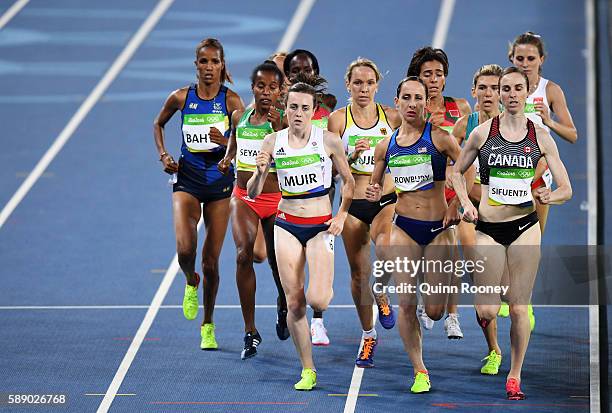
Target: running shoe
point(513, 390)
point(318, 332)
point(208, 337)
point(190, 300)
point(452, 327)
point(386, 316)
point(308, 381)
point(426, 322)
point(531, 317)
point(366, 355)
point(491, 367)
point(504, 310)
point(282, 331)
point(421, 383)
point(251, 341)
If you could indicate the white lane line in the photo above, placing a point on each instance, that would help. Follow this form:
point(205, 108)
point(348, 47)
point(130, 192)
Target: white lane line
point(295, 25)
point(217, 306)
point(156, 303)
point(139, 307)
point(11, 12)
point(353, 391)
point(444, 19)
point(85, 108)
point(287, 41)
point(591, 115)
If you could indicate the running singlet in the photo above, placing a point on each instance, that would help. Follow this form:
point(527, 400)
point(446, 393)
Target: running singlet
point(539, 95)
point(451, 115)
point(509, 167)
point(198, 116)
point(471, 125)
point(417, 166)
point(352, 133)
point(249, 139)
point(305, 172)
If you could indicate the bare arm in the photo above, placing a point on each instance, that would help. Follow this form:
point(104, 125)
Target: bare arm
point(464, 106)
point(564, 187)
point(264, 157)
point(460, 128)
point(336, 153)
point(374, 190)
point(564, 125)
point(174, 102)
point(465, 160)
point(393, 116)
point(232, 145)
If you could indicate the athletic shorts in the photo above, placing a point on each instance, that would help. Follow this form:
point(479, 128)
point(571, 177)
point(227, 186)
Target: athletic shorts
point(206, 185)
point(265, 205)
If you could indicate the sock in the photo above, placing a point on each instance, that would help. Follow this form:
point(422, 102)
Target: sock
point(370, 333)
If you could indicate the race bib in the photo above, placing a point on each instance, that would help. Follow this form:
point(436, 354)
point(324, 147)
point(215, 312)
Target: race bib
point(510, 186)
point(365, 163)
point(249, 142)
point(411, 172)
point(300, 174)
point(196, 130)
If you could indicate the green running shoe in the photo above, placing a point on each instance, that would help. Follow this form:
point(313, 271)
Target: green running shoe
point(208, 337)
point(531, 317)
point(308, 381)
point(504, 310)
point(421, 383)
point(491, 367)
point(190, 300)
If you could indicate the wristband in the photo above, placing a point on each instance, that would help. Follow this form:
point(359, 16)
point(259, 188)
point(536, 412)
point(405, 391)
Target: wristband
point(162, 155)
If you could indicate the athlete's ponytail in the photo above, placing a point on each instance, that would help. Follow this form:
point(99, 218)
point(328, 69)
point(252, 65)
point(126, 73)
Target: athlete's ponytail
point(211, 42)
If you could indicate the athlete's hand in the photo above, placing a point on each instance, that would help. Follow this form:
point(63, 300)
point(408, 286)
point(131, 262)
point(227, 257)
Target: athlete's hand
point(217, 137)
point(224, 165)
point(361, 146)
point(262, 161)
point(542, 194)
point(336, 224)
point(373, 192)
point(274, 117)
point(470, 213)
point(169, 164)
point(543, 112)
point(452, 216)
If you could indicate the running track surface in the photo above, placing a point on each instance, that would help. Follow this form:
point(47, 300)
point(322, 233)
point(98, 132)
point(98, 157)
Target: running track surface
point(96, 229)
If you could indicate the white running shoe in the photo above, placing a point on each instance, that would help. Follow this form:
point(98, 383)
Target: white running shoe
point(318, 332)
point(452, 327)
point(426, 322)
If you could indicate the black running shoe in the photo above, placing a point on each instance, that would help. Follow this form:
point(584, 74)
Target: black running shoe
point(251, 341)
point(282, 331)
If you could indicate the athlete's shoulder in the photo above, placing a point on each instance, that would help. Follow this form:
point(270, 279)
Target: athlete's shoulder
point(338, 114)
point(234, 101)
point(464, 106)
point(177, 97)
point(553, 90)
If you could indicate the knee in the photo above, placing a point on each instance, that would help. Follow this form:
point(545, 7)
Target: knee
point(210, 267)
point(244, 257)
point(517, 310)
point(296, 305)
point(319, 302)
point(487, 312)
point(435, 312)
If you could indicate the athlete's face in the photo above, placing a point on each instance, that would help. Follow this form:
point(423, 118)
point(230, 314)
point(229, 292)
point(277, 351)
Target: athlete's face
point(266, 90)
point(300, 108)
point(300, 64)
point(513, 91)
point(486, 92)
point(432, 73)
point(411, 101)
point(527, 58)
point(209, 65)
point(363, 85)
